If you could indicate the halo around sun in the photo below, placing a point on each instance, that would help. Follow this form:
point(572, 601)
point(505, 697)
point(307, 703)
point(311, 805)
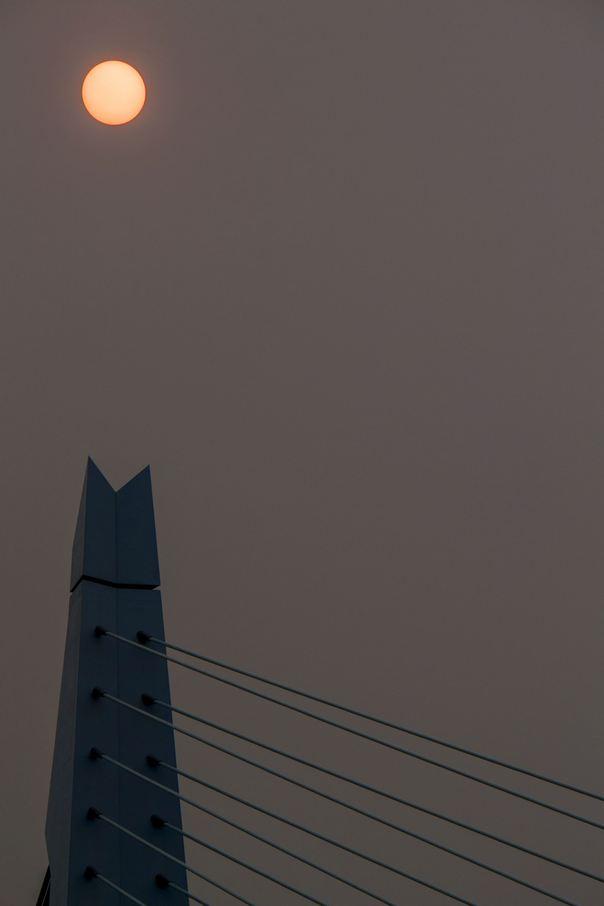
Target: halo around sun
point(114, 92)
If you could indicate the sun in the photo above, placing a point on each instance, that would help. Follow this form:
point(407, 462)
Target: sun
point(114, 92)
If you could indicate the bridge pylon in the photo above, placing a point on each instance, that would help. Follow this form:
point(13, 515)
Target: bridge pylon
point(114, 586)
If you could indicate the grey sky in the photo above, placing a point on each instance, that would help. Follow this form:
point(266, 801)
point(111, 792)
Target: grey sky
point(341, 285)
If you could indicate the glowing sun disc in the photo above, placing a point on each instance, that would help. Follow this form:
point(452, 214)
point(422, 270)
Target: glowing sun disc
point(113, 92)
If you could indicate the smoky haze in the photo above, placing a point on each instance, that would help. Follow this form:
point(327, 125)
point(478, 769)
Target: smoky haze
point(340, 284)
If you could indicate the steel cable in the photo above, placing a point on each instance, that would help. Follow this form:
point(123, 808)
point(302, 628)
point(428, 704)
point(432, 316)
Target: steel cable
point(148, 700)
point(217, 851)
point(95, 753)
point(288, 852)
point(124, 830)
point(399, 828)
point(157, 762)
point(164, 882)
point(144, 637)
point(400, 749)
point(91, 874)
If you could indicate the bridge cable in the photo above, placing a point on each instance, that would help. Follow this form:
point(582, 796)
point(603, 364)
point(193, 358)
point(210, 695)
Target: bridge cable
point(224, 855)
point(144, 638)
point(156, 762)
point(150, 700)
point(91, 874)
point(160, 822)
point(95, 753)
point(94, 813)
point(329, 772)
point(409, 833)
point(423, 758)
point(163, 882)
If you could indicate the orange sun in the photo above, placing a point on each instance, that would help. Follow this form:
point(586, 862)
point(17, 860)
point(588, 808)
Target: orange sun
point(113, 92)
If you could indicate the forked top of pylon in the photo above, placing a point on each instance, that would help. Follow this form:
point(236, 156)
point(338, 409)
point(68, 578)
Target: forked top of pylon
point(115, 541)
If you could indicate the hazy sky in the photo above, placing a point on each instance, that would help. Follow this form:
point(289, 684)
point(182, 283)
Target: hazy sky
point(341, 285)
